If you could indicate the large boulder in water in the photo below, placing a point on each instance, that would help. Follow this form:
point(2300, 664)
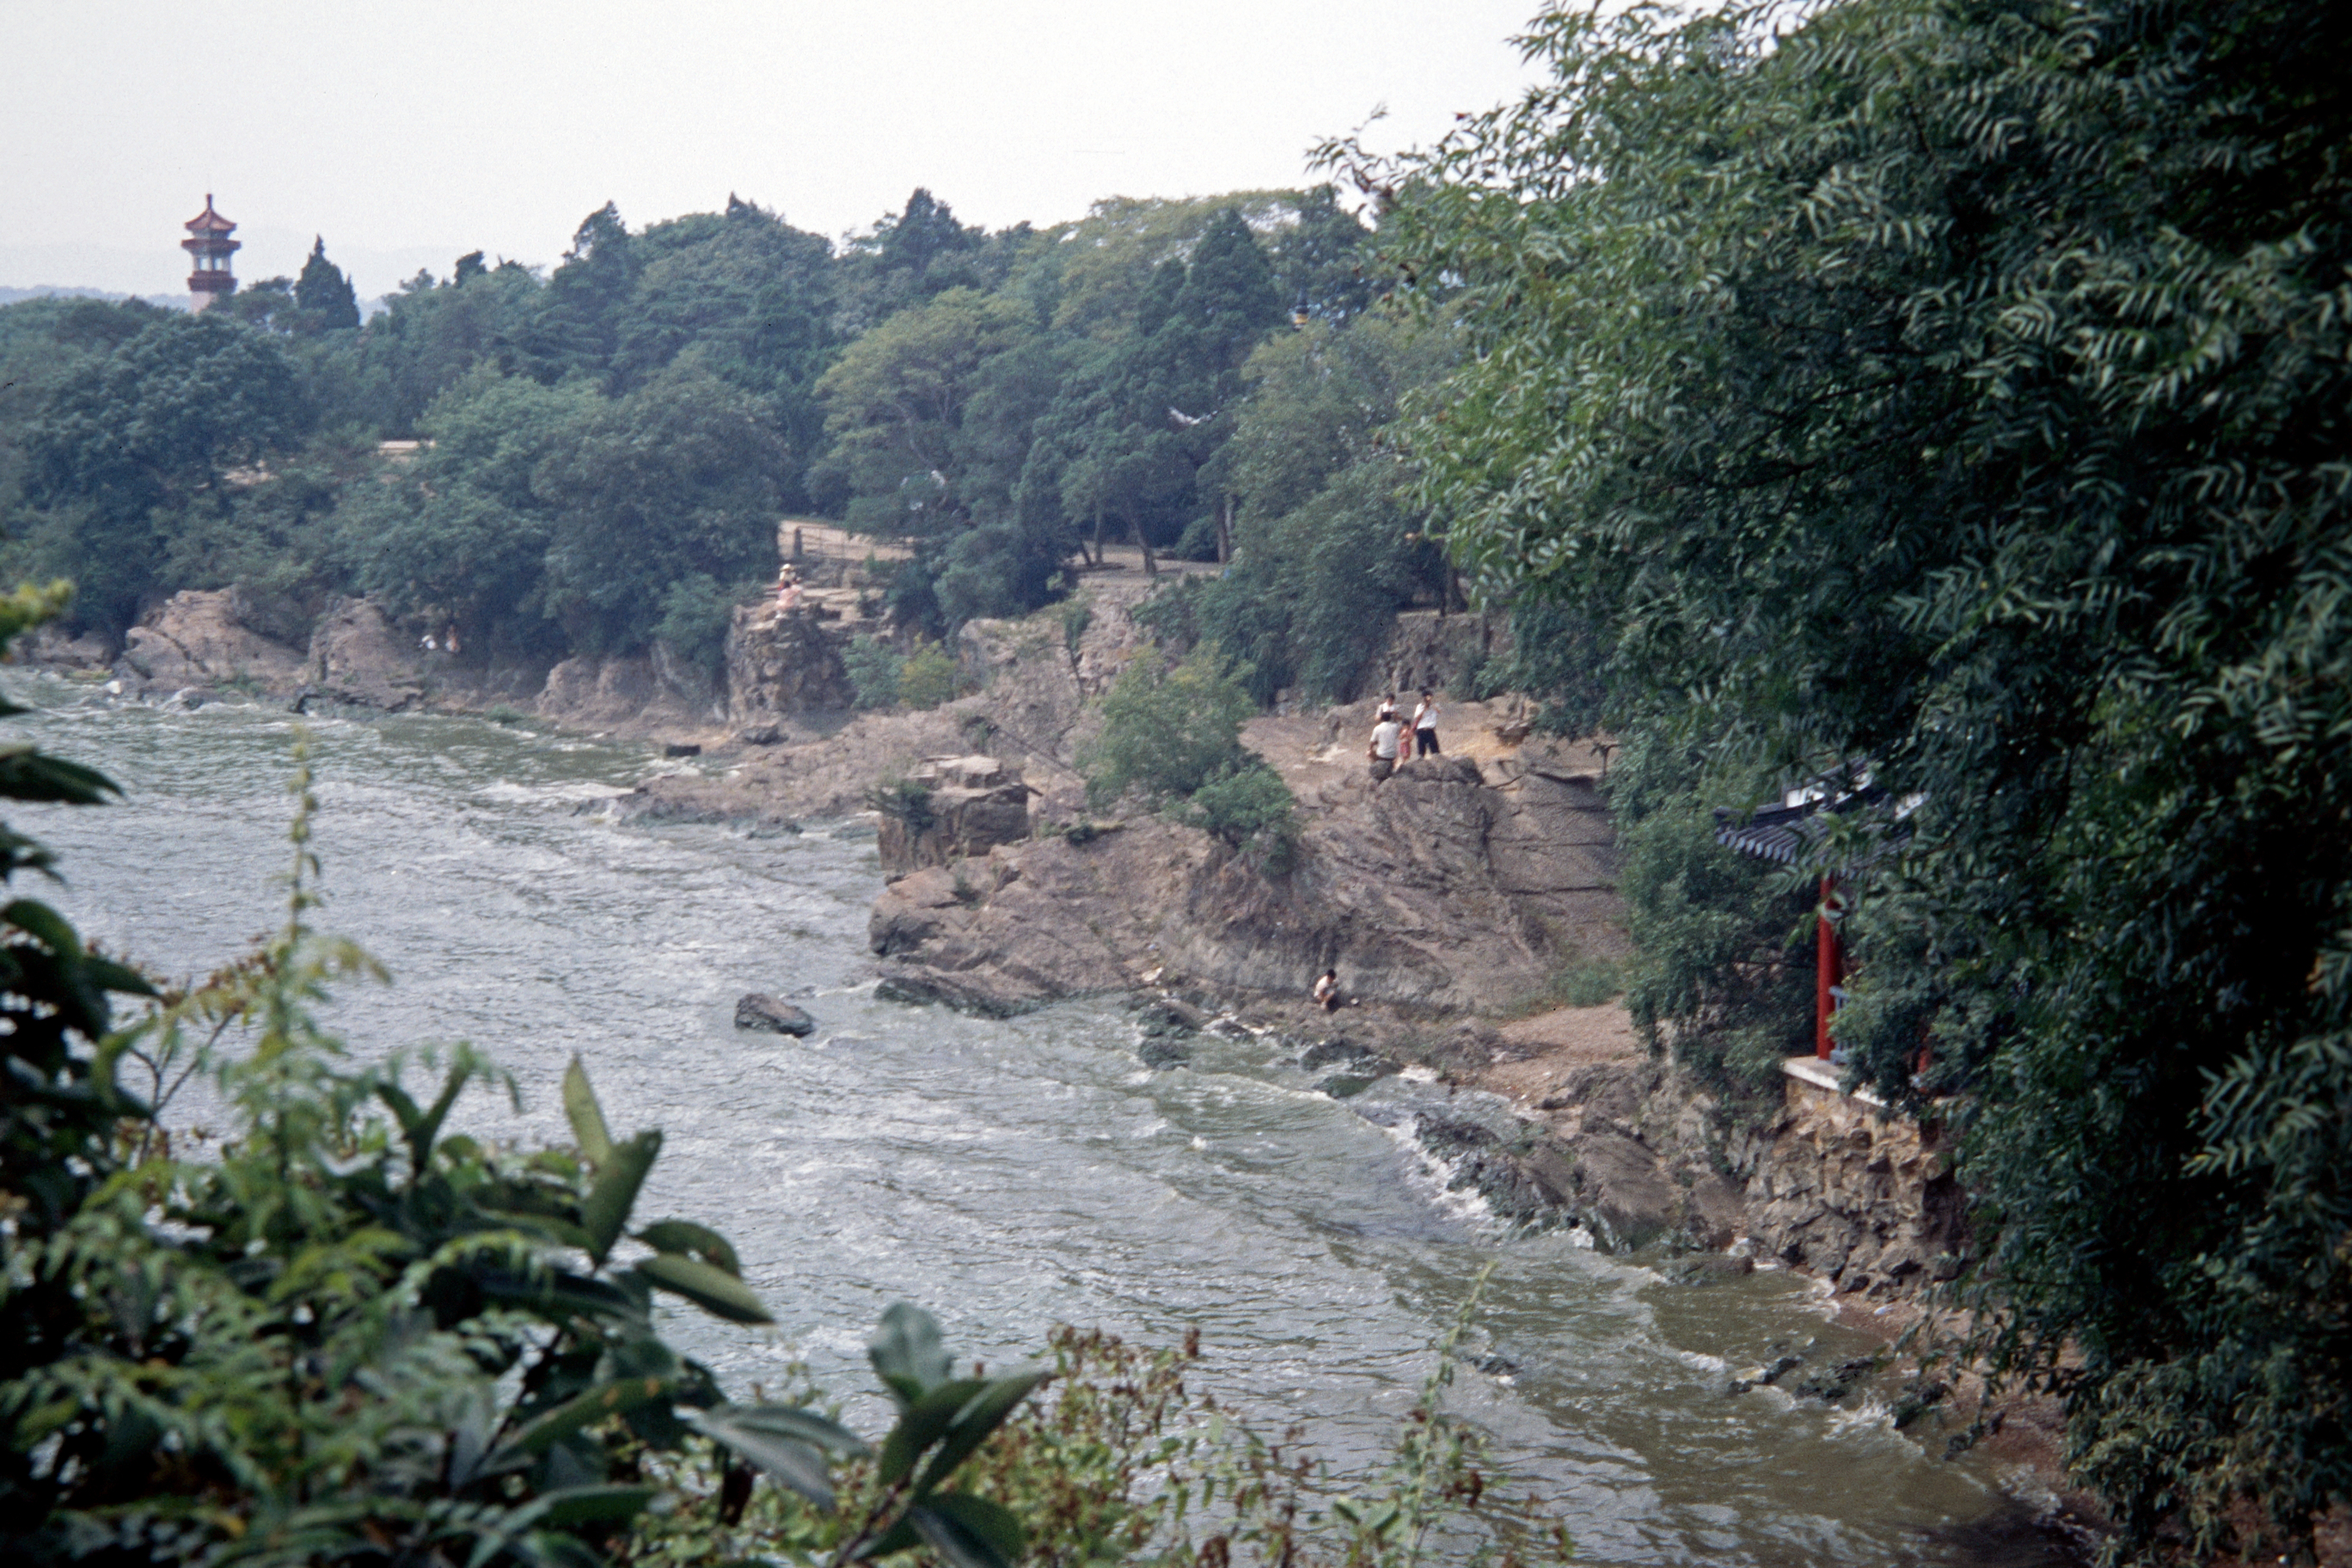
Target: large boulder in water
point(772, 1015)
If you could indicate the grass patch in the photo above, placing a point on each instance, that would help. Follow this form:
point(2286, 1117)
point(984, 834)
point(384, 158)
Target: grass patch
point(1580, 983)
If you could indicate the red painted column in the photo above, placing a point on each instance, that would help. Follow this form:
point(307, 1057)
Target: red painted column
point(1832, 969)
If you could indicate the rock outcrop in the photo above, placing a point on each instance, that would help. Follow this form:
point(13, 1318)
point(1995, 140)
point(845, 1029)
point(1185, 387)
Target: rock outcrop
point(623, 694)
point(359, 658)
point(781, 667)
point(949, 809)
point(200, 639)
point(1435, 889)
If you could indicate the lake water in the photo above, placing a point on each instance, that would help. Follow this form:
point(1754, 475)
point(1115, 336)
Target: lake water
point(1006, 1174)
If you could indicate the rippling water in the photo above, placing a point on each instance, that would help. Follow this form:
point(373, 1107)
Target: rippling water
point(1007, 1174)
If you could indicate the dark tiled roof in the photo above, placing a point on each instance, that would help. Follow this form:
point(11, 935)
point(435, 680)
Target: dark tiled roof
point(1791, 835)
point(208, 221)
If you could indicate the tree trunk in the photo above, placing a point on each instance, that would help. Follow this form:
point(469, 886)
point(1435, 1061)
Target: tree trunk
point(1135, 528)
point(1225, 532)
point(1098, 559)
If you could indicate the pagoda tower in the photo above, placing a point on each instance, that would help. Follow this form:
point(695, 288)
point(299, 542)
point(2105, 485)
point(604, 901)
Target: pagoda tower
point(209, 243)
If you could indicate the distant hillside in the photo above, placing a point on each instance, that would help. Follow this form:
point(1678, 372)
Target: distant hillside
point(46, 291)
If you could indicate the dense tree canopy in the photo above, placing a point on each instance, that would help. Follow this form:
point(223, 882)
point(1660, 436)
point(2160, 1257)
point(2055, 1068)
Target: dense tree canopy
point(1955, 393)
point(609, 447)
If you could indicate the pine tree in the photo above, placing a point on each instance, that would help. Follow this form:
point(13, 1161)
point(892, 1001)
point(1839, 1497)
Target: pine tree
point(323, 294)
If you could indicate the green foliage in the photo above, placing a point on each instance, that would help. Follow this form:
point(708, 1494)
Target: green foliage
point(1325, 546)
point(460, 531)
point(1120, 1458)
point(1167, 732)
point(1724, 969)
point(1249, 807)
point(677, 480)
point(696, 614)
point(127, 446)
point(874, 668)
point(999, 398)
point(904, 800)
point(323, 295)
point(1961, 388)
point(928, 677)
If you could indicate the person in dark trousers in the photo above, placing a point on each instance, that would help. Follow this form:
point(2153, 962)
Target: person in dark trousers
point(1424, 725)
point(1326, 990)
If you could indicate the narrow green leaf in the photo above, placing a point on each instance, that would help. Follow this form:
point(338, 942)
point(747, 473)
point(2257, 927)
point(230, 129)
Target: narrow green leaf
point(789, 1460)
point(718, 1293)
point(983, 1414)
point(428, 1129)
point(607, 1213)
point(907, 1351)
point(968, 1532)
point(698, 1241)
point(922, 1424)
point(573, 1506)
point(404, 1109)
point(900, 1537)
point(53, 930)
point(803, 1426)
point(587, 1118)
point(605, 1400)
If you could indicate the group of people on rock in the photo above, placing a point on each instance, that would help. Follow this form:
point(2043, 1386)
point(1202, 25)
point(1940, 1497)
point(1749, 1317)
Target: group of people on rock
point(1394, 742)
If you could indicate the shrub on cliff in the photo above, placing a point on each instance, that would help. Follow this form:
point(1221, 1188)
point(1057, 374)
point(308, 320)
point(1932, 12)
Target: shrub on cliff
point(874, 667)
point(1248, 805)
point(930, 677)
point(1167, 732)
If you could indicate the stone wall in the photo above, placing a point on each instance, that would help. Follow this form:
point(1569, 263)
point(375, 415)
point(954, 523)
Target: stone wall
point(1841, 1187)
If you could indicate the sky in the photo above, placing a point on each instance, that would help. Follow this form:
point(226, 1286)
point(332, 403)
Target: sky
point(408, 135)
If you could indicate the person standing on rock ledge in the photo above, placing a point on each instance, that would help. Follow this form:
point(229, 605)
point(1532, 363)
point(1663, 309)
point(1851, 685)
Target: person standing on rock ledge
point(1424, 726)
point(1382, 752)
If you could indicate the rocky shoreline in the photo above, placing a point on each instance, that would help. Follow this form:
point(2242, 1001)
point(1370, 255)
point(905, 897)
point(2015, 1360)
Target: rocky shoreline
point(1451, 899)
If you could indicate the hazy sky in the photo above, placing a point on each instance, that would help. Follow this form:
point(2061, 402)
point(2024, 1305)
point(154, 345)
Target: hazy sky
point(408, 133)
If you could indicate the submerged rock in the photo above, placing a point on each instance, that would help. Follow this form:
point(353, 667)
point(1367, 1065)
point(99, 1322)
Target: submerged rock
point(1158, 1052)
point(1164, 1016)
point(1325, 1053)
point(758, 1010)
point(1707, 1267)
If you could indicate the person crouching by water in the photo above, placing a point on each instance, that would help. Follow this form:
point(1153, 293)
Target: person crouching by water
point(1424, 725)
point(1387, 735)
point(1326, 990)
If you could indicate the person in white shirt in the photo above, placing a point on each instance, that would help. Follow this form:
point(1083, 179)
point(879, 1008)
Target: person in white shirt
point(1424, 725)
point(1382, 752)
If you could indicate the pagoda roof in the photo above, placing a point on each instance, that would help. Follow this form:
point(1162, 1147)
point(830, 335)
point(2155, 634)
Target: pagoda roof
point(208, 221)
point(1792, 832)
